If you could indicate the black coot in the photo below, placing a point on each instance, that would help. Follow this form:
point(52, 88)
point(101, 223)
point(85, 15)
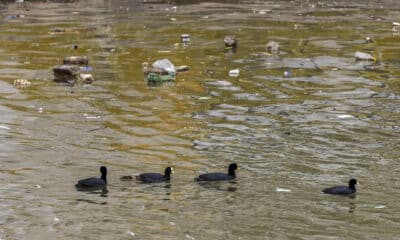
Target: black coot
point(156, 177)
point(220, 176)
point(93, 182)
point(342, 190)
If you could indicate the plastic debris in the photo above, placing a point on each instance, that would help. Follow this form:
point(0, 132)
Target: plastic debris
point(234, 73)
point(16, 16)
point(396, 26)
point(182, 68)
point(185, 38)
point(282, 190)
point(162, 71)
point(287, 73)
point(165, 65)
point(66, 73)
point(86, 78)
point(230, 41)
point(273, 47)
point(22, 83)
point(86, 68)
point(368, 39)
point(360, 56)
point(76, 60)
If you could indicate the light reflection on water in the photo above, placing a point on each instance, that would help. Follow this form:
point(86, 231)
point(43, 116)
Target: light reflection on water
point(331, 120)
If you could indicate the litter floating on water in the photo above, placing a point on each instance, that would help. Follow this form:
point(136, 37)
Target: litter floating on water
point(16, 16)
point(66, 74)
point(185, 38)
point(4, 127)
point(86, 68)
point(287, 73)
point(86, 78)
point(230, 41)
point(343, 116)
point(76, 60)
point(360, 56)
point(283, 190)
point(273, 47)
point(22, 83)
point(131, 233)
point(380, 206)
point(162, 71)
point(234, 73)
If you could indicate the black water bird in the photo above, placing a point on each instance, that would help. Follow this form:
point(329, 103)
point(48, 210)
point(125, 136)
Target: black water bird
point(93, 182)
point(219, 176)
point(342, 190)
point(156, 177)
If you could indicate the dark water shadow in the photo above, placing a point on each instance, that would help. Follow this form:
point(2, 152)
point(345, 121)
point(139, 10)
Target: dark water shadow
point(219, 186)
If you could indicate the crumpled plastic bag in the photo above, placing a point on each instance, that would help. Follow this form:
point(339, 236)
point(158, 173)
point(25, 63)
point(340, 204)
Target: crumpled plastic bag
point(165, 64)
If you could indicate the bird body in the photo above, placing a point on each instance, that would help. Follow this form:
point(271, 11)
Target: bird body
point(155, 177)
point(219, 176)
point(93, 182)
point(342, 190)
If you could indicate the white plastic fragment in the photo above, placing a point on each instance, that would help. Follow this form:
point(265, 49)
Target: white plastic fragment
point(282, 190)
point(343, 116)
point(234, 73)
point(364, 56)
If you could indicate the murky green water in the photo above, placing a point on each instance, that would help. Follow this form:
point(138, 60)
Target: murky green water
point(331, 120)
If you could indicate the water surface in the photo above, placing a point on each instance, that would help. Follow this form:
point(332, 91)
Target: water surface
point(332, 119)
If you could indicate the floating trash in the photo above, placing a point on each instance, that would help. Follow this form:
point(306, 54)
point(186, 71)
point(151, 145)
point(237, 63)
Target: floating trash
point(16, 16)
point(368, 39)
point(230, 41)
point(287, 73)
point(182, 68)
point(234, 73)
point(61, 30)
point(86, 68)
point(380, 206)
point(360, 56)
point(66, 74)
point(282, 190)
point(131, 233)
point(273, 47)
point(4, 127)
point(162, 71)
point(396, 26)
point(344, 116)
point(76, 60)
point(185, 38)
point(22, 83)
point(86, 78)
